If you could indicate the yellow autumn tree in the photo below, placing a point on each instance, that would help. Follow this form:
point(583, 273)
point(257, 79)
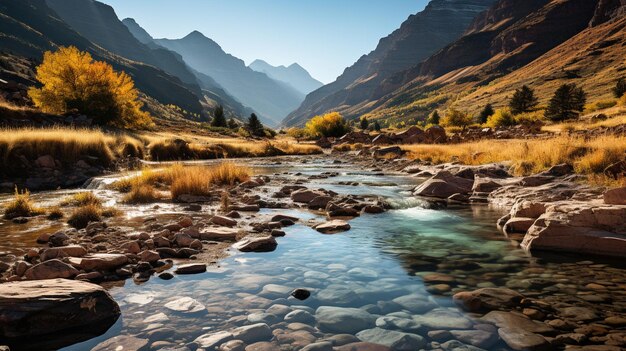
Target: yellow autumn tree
point(328, 125)
point(72, 80)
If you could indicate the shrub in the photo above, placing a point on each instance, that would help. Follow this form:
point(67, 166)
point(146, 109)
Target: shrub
point(523, 100)
point(83, 215)
point(55, 213)
point(567, 103)
point(530, 118)
point(364, 123)
point(620, 88)
point(81, 199)
point(21, 206)
point(485, 114)
point(328, 125)
point(434, 118)
point(501, 118)
point(141, 193)
point(72, 80)
point(456, 118)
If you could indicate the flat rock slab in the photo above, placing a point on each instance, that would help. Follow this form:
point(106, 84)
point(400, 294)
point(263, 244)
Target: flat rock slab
point(51, 269)
point(257, 244)
point(53, 307)
point(219, 234)
point(333, 227)
point(192, 268)
point(99, 262)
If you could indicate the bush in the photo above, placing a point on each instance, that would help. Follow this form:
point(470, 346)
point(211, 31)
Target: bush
point(530, 118)
point(328, 125)
point(456, 118)
point(501, 118)
point(72, 80)
point(21, 206)
point(83, 215)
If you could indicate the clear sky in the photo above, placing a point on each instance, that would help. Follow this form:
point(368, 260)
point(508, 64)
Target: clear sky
point(324, 36)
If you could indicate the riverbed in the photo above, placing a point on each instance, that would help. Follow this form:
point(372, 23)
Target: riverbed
point(399, 268)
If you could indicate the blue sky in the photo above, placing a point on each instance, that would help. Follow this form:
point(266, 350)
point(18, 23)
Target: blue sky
point(324, 36)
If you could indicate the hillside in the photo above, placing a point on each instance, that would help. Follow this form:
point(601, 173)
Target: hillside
point(272, 100)
point(294, 75)
point(420, 36)
point(539, 43)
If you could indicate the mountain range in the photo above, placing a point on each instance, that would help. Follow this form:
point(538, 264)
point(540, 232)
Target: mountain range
point(495, 48)
point(294, 75)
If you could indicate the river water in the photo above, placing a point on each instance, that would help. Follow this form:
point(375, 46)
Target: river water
point(385, 261)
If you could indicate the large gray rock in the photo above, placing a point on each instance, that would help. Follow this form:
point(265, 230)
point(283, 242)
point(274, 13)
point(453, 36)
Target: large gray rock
point(395, 340)
point(54, 309)
point(343, 320)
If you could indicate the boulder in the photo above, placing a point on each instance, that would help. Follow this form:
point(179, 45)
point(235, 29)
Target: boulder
point(615, 196)
point(444, 185)
point(485, 185)
point(257, 244)
point(518, 225)
point(50, 270)
point(306, 195)
point(54, 308)
point(436, 135)
point(99, 262)
point(579, 227)
point(333, 227)
point(219, 234)
point(388, 152)
point(487, 299)
point(63, 251)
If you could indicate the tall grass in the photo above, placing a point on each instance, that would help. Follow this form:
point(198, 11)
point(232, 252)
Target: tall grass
point(21, 206)
point(530, 156)
point(81, 199)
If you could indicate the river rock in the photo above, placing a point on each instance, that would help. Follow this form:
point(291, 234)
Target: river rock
point(63, 251)
point(99, 262)
point(46, 307)
point(343, 320)
point(362, 346)
point(184, 304)
point(219, 234)
point(191, 268)
point(487, 299)
point(441, 318)
point(253, 333)
point(393, 339)
point(213, 340)
point(479, 338)
point(257, 244)
point(444, 185)
point(415, 303)
point(615, 196)
point(333, 227)
point(50, 270)
point(306, 195)
point(122, 343)
point(224, 221)
point(299, 316)
point(516, 321)
point(522, 340)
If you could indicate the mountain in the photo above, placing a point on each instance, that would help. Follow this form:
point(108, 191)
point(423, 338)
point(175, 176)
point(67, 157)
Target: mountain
point(294, 75)
point(31, 27)
point(214, 93)
point(271, 99)
point(420, 36)
point(540, 43)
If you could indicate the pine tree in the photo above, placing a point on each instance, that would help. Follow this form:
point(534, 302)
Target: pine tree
point(620, 88)
point(523, 100)
point(567, 103)
point(434, 118)
point(254, 126)
point(232, 124)
point(485, 114)
point(377, 126)
point(364, 123)
point(219, 120)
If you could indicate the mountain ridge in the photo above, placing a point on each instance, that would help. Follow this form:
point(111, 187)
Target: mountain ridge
point(294, 75)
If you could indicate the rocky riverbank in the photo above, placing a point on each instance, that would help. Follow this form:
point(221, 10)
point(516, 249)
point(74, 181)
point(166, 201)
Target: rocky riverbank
point(197, 233)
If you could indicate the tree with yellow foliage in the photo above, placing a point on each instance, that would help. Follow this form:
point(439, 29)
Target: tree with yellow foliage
point(72, 80)
point(329, 125)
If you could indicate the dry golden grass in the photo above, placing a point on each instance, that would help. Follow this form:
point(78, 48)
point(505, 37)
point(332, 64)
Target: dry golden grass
point(81, 199)
point(141, 193)
point(589, 157)
point(21, 206)
point(199, 180)
point(55, 213)
point(83, 215)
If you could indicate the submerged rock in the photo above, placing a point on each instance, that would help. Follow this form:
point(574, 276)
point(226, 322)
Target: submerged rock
point(487, 299)
point(343, 320)
point(393, 339)
point(52, 310)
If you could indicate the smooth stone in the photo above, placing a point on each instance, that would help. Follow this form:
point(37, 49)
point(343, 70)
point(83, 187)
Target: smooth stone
point(415, 303)
point(343, 320)
point(515, 321)
point(393, 339)
point(51, 269)
point(219, 234)
point(318, 346)
point(478, 338)
point(299, 316)
point(192, 268)
point(253, 333)
point(184, 304)
point(333, 227)
point(362, 346)
point(443, 319)
point(212, 340)
point(99, 262)
point(487, 299)
point(256, 244)
point(122, 343)
point(522, 340)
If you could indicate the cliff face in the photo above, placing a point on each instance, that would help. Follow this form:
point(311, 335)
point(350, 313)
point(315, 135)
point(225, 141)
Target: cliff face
point(421, 35)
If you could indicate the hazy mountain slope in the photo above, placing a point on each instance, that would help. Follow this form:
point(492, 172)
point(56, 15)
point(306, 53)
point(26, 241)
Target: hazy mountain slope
point(420, 36)
point(137, 31)
point(30, 27)
point(294, 75)
point(505, 38)
point(271, 99)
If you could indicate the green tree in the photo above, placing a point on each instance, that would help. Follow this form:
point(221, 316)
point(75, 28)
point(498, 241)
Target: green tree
point(523, 100)
point(485, 114)
point(254, 126)
point(434, 118)
point(219, 120)
point(232, 124)
point(364, 123)
point(377, 126)
point(567, 103)
point(620, 88)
